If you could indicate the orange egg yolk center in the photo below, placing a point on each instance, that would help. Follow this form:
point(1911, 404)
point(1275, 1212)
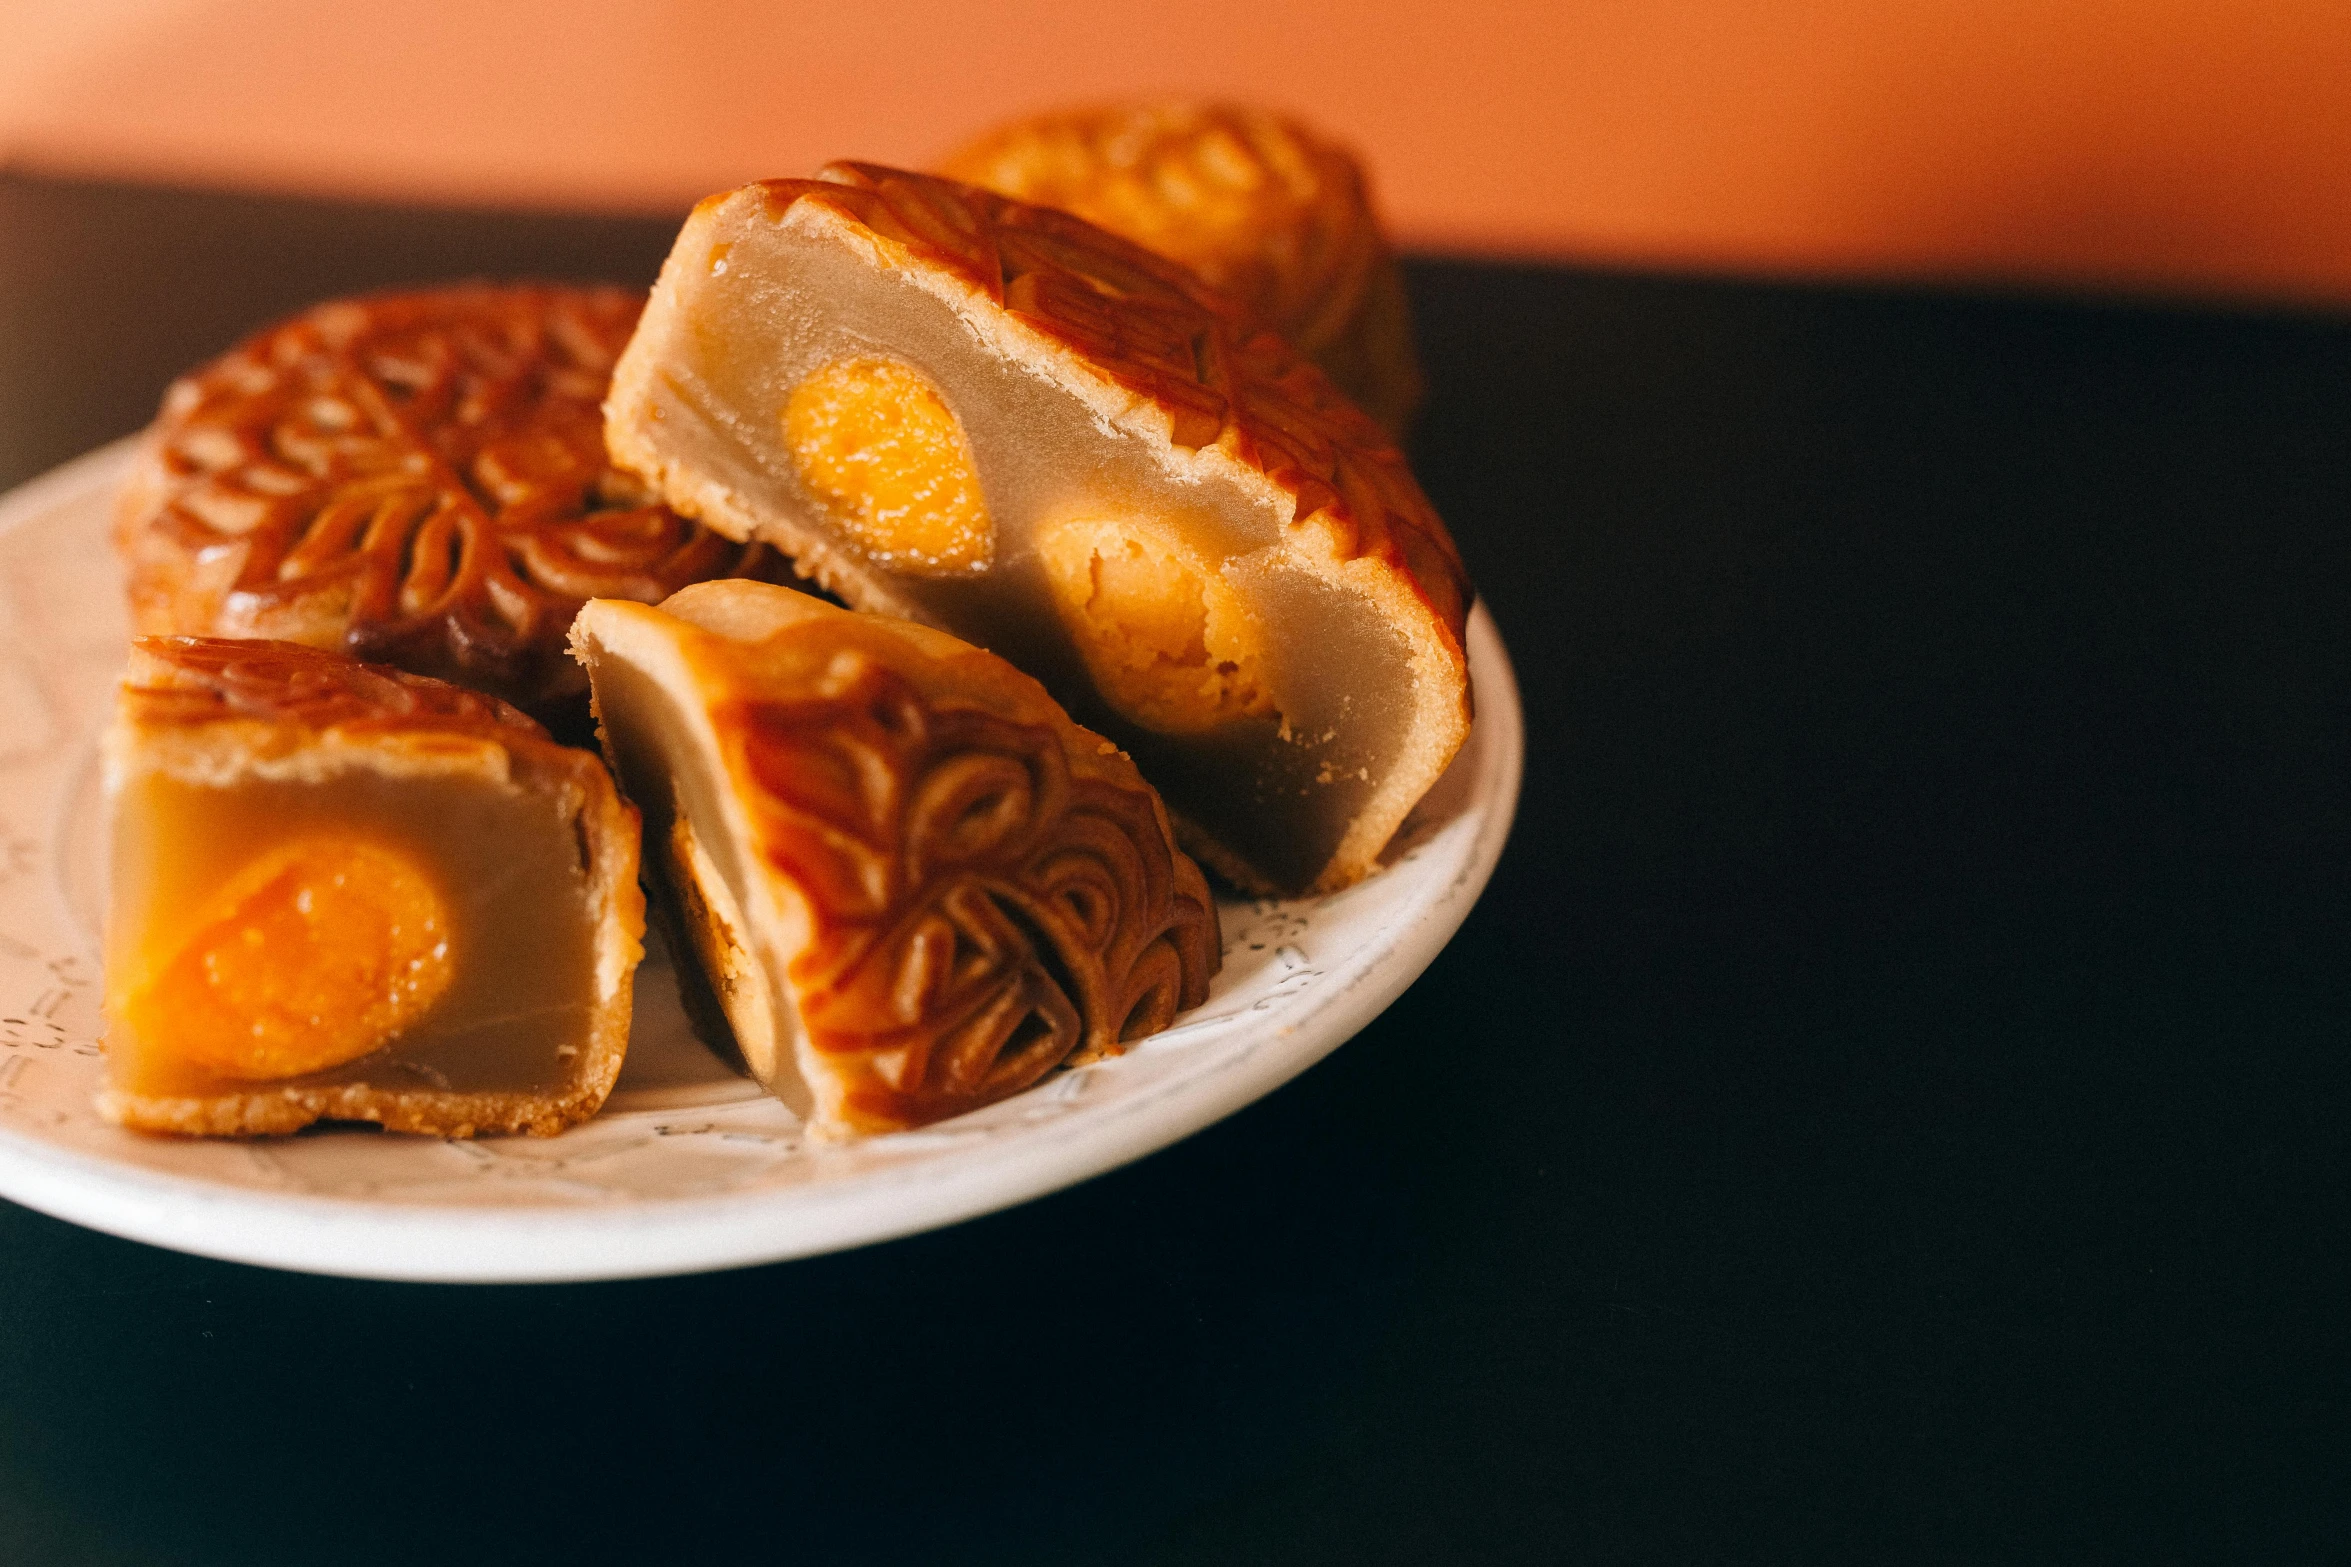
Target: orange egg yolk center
point(1167, 640)
point(314, 954)
point(876, 442)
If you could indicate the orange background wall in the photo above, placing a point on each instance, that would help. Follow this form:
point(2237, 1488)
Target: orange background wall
point(2196, 145)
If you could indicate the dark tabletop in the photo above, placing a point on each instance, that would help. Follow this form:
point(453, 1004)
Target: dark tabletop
point(1888, 1105)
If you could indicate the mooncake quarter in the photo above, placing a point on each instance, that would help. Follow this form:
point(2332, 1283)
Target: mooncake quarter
point(414, 478)
point(997, 419)
point(1257, 204)
point(341, 892)
point(913, 885)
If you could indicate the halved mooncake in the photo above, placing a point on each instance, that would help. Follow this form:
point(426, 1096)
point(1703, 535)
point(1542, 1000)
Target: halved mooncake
point(913, 885)
point(1000, 420)
point(1254, 202)
point(415, 478)
point(343, 892)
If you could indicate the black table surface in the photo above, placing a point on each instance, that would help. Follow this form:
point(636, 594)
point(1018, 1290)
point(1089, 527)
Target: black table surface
point(1889, 1103)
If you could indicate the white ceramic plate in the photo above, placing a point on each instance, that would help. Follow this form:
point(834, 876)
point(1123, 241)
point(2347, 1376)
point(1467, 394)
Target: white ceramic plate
point(690, 1166)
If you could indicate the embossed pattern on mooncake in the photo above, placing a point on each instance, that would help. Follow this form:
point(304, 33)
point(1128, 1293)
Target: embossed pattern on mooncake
point(981, 915)
point(418, 479)
point(914, 885)
point(199, 680)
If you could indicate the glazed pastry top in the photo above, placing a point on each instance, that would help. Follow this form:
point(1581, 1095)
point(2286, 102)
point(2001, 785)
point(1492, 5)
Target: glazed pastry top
point(418, 478)
point(175, 681)
point(980, 889)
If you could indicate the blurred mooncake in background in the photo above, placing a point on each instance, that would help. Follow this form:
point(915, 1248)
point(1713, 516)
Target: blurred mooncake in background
point(1261, 207)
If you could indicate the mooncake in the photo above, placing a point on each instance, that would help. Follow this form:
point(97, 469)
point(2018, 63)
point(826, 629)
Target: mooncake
point(341, 892)
point(1254, 202)
point(999, 420)
point(913, 885)
point(414, 478)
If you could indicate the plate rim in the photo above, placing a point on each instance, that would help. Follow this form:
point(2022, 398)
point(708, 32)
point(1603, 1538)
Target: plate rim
point(373, 1238)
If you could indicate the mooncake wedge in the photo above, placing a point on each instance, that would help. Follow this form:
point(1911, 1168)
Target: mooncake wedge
point(414, 478)
point(341, 892)
point(999, 420)
point(911, 883)
point(1261, 207)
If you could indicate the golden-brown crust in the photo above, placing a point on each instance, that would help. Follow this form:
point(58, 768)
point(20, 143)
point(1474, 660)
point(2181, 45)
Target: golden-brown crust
point(1223, 380)
point(417, 478)
point(220, 708)
point(966, 865)
point(1262, 208)
point(202, 680)
point(989, 889)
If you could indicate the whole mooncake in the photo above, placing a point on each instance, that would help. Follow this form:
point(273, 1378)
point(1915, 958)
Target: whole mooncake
point(911, 883)
point(343, 892)
point(414, 478)
point(1254, 202)
point(1000, 420)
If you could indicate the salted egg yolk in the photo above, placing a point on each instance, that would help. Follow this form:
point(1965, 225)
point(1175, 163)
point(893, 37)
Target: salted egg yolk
point(1167, 640)
point(313, 954)
point(873, 438)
